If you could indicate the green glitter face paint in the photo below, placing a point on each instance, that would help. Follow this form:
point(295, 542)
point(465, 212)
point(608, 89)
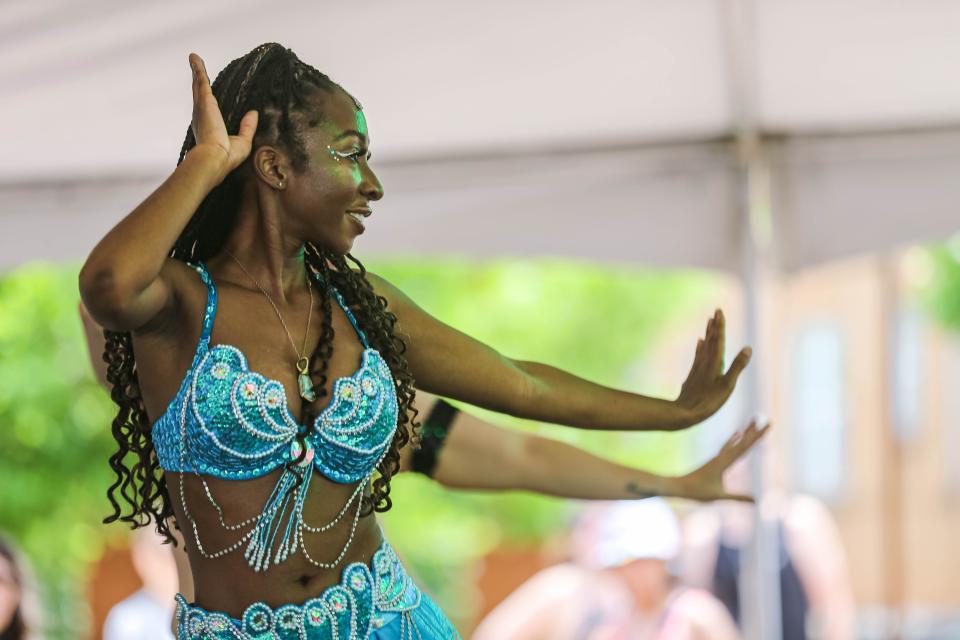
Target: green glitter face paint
point(361, 123)
point(354, 154)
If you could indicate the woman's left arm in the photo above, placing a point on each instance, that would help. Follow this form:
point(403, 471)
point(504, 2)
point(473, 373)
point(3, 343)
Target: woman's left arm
point(476, 455)
point(450, 363)
point(93, 333)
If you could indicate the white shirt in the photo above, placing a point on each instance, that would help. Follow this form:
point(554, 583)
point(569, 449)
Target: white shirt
point(139, 617)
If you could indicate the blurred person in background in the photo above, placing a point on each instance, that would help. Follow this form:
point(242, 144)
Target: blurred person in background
point(816, 596)
point(19, 608)
point(619, 586)
point(147, 613)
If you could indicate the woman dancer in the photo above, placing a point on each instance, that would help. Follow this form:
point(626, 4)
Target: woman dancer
point(275, 490)
point(460, 451)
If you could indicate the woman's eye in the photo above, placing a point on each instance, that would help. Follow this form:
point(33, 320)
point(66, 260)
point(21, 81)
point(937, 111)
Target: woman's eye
point(355, 155)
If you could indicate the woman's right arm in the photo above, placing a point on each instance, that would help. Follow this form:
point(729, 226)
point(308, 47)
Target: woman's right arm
point(125, 282)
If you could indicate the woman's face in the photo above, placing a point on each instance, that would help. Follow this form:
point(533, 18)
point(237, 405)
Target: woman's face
point(328, 203)
point(647, 578)
point(9, 593)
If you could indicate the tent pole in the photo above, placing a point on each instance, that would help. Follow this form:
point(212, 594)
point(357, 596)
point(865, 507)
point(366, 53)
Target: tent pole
point(760, 607)
point(892, 531)
point(760, 604)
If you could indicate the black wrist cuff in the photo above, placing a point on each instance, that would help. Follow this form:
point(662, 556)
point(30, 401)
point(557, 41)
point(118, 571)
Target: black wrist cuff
point(433, 432)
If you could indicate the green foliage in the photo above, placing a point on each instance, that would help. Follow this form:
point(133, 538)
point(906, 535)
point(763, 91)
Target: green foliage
point(54, 419)
point(943, 294)
point(54, 430)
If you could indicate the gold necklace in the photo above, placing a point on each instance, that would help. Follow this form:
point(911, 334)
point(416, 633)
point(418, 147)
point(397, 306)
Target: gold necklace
point(304, 381)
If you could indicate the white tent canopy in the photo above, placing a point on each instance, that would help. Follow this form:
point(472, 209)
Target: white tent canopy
point(622, 130)
point(603, 130)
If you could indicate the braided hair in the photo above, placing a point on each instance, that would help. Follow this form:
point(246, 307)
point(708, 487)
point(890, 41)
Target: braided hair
point(274, 81)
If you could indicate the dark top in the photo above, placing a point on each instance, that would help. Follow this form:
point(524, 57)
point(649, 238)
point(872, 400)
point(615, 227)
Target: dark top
point(793, 599)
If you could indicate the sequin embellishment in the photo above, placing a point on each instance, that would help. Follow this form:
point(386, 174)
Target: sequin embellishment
point(362, 601)
point(239, 425)
point(220, 370)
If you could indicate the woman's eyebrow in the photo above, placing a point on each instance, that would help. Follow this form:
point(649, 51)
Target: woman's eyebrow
point(351, 132)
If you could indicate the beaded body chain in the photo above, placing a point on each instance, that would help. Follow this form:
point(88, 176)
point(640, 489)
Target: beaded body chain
point(259, 541)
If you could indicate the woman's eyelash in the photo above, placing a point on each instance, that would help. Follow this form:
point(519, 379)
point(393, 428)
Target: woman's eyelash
point(355, 155)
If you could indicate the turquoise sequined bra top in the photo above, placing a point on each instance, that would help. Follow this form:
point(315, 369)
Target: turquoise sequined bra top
point(230, 422)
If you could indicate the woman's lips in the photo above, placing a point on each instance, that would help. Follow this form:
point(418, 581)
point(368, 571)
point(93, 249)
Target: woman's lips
point(358, 218)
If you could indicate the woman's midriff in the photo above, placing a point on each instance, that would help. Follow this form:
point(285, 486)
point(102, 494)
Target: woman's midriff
point(228, 584)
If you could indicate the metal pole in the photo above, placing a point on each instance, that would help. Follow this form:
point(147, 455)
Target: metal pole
point(892, 530)
point(760, 607)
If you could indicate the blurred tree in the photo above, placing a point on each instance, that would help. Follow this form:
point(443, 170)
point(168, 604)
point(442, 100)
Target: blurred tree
point(54, 419)
point(943, 294)
point(54, 438)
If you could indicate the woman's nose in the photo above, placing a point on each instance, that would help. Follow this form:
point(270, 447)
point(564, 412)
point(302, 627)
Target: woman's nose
point(371, 187)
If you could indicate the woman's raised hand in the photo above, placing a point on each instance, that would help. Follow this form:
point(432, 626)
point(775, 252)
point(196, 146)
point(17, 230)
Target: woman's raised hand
point(707, 385)
point(706, 483)
point(208, 127)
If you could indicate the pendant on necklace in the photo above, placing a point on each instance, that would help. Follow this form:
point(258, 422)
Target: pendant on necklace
point(304, 381)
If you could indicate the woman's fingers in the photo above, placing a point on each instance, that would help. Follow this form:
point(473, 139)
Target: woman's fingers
point(739, 364)
point(248, 125)
point(697, 363)
point(702, 358)
point(708, 360)
point(738, 497)
point(241, 143)
point(200, 69)
point(750, 437)
point(711, 353)
point(733, 440)
point(194, 79)
point(719, 493)
point(201, 82)
point(197, 89)
point(208, 125)
point(741, 442)
point(719, 342)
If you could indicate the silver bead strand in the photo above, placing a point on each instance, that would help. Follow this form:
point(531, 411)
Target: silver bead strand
point(343, 552)
point(329, 525)
point(228, 527)
point(183, 496)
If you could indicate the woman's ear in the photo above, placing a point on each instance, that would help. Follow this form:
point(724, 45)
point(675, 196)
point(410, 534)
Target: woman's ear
point(269, 165)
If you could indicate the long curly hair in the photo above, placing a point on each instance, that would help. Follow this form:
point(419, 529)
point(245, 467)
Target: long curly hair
point(275, 82)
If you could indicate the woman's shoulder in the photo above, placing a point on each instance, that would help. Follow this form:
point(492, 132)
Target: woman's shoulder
point(382, 287)
point(181, 273)
point(185, 277)
point(188, 297)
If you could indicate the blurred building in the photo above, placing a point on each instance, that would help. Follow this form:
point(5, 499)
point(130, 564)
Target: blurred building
point(863, 386)
point(861, 383)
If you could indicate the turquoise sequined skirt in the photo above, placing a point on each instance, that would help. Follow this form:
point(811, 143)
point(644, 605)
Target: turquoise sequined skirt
point(380, 602)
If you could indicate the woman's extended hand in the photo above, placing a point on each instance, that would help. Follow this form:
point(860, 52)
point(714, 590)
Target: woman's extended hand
point(706, 483)
point(209, 129)
point(707, 386)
